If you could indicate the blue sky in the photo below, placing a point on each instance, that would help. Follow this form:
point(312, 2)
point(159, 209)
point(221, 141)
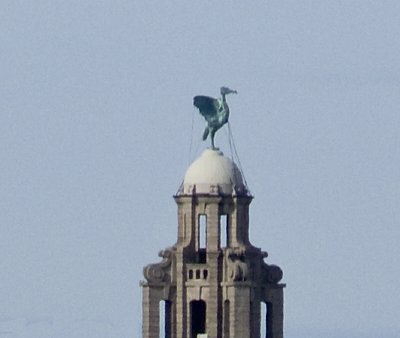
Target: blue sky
point(97, 129)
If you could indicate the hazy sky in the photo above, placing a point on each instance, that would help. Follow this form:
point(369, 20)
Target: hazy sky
point(97, 129)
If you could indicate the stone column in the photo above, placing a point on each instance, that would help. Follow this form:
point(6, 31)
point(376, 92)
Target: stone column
point(255, 318)
point(181, 308)
point(213, 309)
point(239, 296)
point(151, 313)
point(274, 301)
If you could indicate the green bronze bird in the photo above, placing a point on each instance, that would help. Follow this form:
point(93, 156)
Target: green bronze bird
point(215, 111)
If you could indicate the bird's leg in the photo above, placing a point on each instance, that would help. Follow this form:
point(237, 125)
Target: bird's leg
point(212, 140)
point(205, 133)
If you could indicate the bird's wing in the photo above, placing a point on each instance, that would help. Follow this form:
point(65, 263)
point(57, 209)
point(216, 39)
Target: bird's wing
point(206, 105)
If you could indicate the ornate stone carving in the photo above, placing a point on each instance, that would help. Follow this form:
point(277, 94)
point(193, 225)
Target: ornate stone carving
point(237, 268)
point(271, 273)
point(159, 272)
point(214, 189)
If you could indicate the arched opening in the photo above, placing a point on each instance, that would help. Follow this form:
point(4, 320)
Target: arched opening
point(165, 319)
point(266, 320)
point(202, 231)
point(223, 230)
point(198, 317)
point(202, 239)
point(227, 319)
point(264, 333)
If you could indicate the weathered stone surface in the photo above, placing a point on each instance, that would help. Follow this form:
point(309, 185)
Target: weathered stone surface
point(219, 290)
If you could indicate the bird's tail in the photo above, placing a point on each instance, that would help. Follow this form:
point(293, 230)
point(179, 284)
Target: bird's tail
point(205, 134)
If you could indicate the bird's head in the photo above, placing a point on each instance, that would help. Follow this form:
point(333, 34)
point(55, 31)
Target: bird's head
point(226, 90)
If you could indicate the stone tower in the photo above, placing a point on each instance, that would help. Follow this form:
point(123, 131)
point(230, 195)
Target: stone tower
point(213, 282)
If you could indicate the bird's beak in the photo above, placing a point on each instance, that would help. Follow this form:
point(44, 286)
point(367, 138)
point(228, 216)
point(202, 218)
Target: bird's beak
point(226, 90)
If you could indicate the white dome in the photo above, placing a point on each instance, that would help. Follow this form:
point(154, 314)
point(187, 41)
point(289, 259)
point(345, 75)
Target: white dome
point(213, 173)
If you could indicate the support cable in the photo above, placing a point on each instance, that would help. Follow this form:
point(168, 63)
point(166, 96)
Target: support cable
point(191, 139)
point(234, 153)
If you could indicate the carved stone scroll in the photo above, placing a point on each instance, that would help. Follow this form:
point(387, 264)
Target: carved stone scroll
point(271, 273)
point(159, 272)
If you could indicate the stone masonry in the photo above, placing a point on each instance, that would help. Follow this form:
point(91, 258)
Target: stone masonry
point(212, 289)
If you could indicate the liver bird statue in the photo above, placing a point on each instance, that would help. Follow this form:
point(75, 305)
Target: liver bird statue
point(215, 111)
